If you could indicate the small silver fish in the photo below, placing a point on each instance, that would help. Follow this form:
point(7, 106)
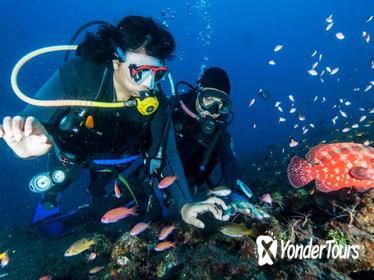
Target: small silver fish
point(220, 191)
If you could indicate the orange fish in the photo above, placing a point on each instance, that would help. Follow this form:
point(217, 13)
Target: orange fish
point(166, 231)
point(95, 269)
point(117, 190)
point(334, 166)
point(89, 122)
point(4, 257)
point(164, 246)
point(46, 277)
point(116, 214)
point(167, 181)
point(138, 228)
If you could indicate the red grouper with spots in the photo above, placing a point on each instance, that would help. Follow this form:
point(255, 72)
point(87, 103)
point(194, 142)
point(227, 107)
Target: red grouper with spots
point(334, 166)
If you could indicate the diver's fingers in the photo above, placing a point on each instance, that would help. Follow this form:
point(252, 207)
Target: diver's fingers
point(220, 214)
point(225, 218)
point(46, 139)
point(217, 213)
point(7, 126)
point(1, 131)
point(196, 222)
point(216, 200)
point(28, 125)
point(34, 126)
point(17, 127)
point(206, 207)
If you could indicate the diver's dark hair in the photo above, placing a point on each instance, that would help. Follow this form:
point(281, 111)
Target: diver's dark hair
point(215, 77)
point(131, 33)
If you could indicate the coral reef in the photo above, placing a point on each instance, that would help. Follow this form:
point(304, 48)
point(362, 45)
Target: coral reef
point(345, 217)
point(208, 254)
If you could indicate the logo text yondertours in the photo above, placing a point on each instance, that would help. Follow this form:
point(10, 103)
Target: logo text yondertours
point(267, 250)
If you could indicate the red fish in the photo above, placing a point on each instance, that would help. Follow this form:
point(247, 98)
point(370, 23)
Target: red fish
point(46, 277)
point(334, 166)
point(164, 246)
point(116, 214)
point(166, 231)
point(166, 182)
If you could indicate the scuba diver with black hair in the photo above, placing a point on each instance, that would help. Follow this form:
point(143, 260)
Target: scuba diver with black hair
point(116, 65)
point(201, 118)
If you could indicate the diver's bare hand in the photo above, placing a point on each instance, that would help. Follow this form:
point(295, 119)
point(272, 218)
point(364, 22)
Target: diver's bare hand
point(26, 137)
point(190, 211)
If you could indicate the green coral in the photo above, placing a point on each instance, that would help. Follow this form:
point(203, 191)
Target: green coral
point(301, 194)
point(282, 235)
point(278, 198)
point(338, 237)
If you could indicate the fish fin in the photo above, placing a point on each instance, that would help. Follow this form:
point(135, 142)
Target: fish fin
point(363, 188)
point(321, 186)
point(362, 173)
point(250, 233)
point(299, 172)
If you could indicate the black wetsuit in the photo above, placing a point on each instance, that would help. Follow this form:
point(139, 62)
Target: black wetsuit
point(193, 145)
point(116, 133)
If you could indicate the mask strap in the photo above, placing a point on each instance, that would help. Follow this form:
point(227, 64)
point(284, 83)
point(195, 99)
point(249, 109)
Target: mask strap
point(214, 89)
point(121, 54)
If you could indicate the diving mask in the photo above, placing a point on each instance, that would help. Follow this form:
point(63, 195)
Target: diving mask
point(141, 73)
point(214, 101)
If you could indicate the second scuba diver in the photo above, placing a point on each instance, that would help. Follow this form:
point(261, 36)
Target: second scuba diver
point(117, 64)
point(201, 117)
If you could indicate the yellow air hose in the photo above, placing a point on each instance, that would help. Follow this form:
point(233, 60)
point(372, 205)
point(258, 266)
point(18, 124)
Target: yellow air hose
point(54, 103)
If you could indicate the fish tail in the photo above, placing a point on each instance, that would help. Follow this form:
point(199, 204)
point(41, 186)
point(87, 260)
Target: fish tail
point(250, 233)
point(364, 188)
point(133, 211)
point(299, 172)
